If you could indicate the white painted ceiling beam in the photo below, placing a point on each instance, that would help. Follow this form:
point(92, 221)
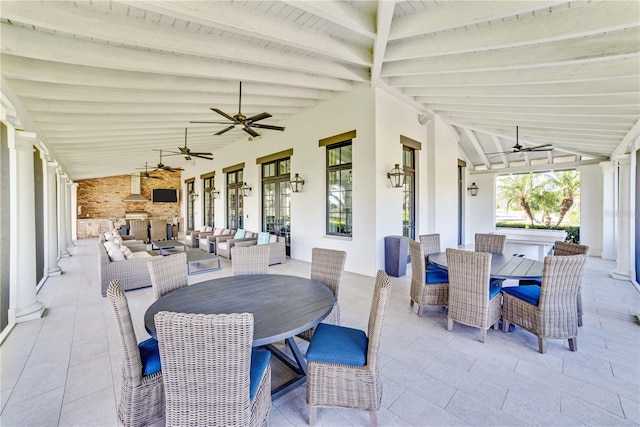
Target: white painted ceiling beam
point(32, 44)
point(587, 19)
point(628, 142)
point(632, 112)
point(621, 100)
point(576, 51)
point(229, 17)
point(499, 149)
point(571, 120)
point(18, 68)
point(477, 147)
point(340, 13)
point(453, 14)
point(134, 32)
point(384, 19)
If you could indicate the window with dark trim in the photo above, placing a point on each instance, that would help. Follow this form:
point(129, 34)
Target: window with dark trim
point(408, 193)
point(235, 200)
point(190, 184)
point(208, 201)
point(339, 189)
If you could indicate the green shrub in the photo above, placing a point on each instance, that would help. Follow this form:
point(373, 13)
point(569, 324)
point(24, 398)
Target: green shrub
point(573, 231)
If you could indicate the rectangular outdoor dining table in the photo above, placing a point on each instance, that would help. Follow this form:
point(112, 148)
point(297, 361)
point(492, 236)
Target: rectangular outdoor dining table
point(502, 266)
point(282, 306)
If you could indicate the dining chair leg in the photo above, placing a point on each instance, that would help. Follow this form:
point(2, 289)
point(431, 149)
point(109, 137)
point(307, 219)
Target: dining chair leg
point(374, 418)
point(483, 335)
point(573, 344)
point(312, 415)
point(542, 345)
point(505, 325)
point(579, 303)
point(449, 324)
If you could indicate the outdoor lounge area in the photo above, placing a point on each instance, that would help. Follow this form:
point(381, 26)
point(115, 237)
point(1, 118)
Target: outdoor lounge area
point(53, 369)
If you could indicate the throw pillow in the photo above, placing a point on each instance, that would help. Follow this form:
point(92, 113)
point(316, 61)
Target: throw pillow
point(108, 236)
point(208, 229)
point(239, 234)
point(203, 228)
point(126, 251)
point(117, 239)
point(273, 238)
point(111, 245)
point(217, 232)
point(263, 238)
point(115, 254)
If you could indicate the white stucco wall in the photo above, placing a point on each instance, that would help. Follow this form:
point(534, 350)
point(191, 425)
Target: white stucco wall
point(591, 210)
point(481, 215)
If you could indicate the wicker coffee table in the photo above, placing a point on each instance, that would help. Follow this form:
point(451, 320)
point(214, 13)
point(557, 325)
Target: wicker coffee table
point(202, 262)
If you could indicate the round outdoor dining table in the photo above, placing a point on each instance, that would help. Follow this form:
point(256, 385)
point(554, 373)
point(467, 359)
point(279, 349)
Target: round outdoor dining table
point(282, 307)
point(502, 266)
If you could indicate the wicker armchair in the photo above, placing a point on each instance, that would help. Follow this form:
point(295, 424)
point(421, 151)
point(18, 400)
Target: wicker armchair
point(473, 301)
point(327, 266)
point(211, 375)
point(139, 228)
point(430, 245)
point(343, 366)
point(427, 287)
point(249, 260)
point(158, 229)
point(492, 243)
point(168, 273)
point(142, 396)
point(549, 310)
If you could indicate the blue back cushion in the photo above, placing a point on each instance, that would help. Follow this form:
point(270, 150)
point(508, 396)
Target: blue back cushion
point(150, 356)
point(263, 238)
point(494, 290)
point(259, 362)
point(239, 234)
point(437, 276)
point(338, 344)
point(530, 293)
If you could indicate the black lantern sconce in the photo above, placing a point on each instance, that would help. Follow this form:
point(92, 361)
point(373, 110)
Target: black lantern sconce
point(246, 190)
point(473, 189)
point(296, 183)
point(193, 195)
point(396, 176)
point(214, 193)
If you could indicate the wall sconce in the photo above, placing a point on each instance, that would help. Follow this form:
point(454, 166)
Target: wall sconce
point(473, 189)
point(396, 176)
point(193, 195)
point(246, 190)
point(214, 193)
point(296, 183)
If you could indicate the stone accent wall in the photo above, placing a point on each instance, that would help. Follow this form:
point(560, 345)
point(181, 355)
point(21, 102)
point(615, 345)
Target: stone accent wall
point(101, 198)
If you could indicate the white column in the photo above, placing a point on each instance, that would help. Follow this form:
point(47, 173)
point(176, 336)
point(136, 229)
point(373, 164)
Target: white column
point(68, 215)
point(23, 221)
point(74, 211)
point(62, 215)
point(623, 268)
point(51, 236)
point(609, 188)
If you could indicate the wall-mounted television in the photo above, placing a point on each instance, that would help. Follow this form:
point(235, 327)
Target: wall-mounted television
point(164, 195)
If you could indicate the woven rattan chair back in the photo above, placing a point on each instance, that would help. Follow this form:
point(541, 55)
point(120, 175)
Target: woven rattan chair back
point(492, 243)
point(335, 385)
point(568, 248)
point(139, 229)
point(430, 243)
point(250, 260)
point(419, 292)
point(206, 361)
point(158, 229)
point(469, 278)
point(556, 314)
point(142, 396)
point(168, 273)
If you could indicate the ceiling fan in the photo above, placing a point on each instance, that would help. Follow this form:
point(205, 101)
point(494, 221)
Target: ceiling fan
point(521, 149)
point(146, 174)
point(187, 153)
point(240, 120)
point(162, 166)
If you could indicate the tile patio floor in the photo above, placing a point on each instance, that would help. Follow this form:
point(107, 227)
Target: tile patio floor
point(64, 369)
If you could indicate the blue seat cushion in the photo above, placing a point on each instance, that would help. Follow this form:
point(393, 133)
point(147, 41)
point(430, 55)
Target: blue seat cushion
point(338, 344)
point(437, 276)
point(530, 294)
point(259, 362)
point(433, 267)
point(494, 290)
point(150, 356)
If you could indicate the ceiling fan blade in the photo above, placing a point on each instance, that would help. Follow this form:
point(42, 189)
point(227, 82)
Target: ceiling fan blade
point(250, 131)
point(202, 156)
point(258, 117)
point(224, 130)
point(260, 126)
point(223, 114)
point(211, 122)
point(543, 147)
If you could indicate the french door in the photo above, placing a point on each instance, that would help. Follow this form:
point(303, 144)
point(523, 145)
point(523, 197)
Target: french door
point(276, 199)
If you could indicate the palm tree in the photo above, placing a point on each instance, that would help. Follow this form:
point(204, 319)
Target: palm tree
point(516, 191)
point(568, 183)
point(545, 199)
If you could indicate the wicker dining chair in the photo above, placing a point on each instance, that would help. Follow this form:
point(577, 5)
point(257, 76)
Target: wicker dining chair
point(549, 310)
point(212, 377)
point(430, 245)
point(168, 273)
point(327, 266)
point(342, 363)
point(428, 287)
point(250, 260)
point(142, 389)
point(492, 243)
point(473, 300)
